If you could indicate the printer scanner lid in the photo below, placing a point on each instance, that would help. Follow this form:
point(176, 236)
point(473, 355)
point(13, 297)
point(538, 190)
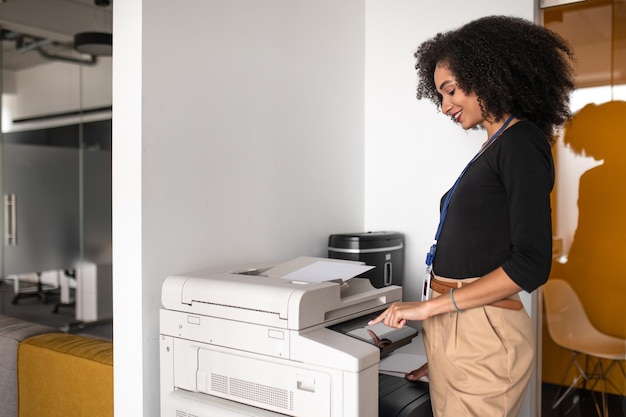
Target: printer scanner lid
point(274, 300)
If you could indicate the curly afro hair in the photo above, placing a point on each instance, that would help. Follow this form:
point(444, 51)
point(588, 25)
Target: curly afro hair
point(512, 65)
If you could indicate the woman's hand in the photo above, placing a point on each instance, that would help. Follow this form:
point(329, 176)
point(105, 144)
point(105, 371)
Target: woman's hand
point(418, 373)
point(494, 286)
point(399, 313)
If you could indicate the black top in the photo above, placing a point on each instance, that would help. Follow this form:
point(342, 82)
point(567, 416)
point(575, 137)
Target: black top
point(499, 214)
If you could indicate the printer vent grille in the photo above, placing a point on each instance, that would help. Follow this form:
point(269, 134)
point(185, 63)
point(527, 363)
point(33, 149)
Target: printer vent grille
point(251, 391)
point(219, 383)
point(180, 413)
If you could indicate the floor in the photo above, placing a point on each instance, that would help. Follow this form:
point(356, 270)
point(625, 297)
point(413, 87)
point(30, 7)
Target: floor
point(45, 309)
point(577, 404)
point(580, 403)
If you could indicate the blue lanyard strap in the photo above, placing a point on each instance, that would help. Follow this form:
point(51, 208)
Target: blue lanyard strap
point(430, 256)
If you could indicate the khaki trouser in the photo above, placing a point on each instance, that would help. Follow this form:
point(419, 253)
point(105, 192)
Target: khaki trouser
point(479, 362)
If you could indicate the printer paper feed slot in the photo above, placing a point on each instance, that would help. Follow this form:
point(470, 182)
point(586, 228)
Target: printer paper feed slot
point(309, 269)
point(352, 309)
point(183, 403)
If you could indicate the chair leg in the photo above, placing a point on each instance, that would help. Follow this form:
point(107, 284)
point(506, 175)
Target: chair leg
point(599, 374)
point(558, 397)
point(605, 411)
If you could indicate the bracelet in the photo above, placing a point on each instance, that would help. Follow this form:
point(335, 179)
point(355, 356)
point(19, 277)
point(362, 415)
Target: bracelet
point(458, 310)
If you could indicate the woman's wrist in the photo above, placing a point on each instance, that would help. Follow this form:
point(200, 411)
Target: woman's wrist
point(438, 305)
point(453, 302)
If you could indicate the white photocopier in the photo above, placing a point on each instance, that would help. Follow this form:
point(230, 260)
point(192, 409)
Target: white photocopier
point(271, 342)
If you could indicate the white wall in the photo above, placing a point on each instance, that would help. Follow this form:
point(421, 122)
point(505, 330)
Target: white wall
point(243, 143)
point(275, 124)
point(413, 153)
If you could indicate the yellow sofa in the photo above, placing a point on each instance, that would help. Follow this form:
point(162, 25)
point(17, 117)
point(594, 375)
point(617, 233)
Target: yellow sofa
point(65, 375)
point(12, 332)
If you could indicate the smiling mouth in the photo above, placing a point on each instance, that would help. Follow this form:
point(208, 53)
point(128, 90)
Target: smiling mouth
point(456, 116)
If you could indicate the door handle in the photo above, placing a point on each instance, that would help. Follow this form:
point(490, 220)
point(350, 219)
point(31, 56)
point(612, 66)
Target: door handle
point(10, 220)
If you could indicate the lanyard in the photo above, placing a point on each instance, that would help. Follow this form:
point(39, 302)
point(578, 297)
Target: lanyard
point(430, 256)
point(444, 211)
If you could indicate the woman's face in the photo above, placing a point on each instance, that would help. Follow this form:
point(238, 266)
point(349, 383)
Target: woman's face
point(463, 108)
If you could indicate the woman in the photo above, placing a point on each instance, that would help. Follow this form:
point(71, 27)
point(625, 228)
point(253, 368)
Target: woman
point(513, 79)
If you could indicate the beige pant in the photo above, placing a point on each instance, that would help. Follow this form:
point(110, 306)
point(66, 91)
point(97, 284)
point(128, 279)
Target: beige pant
point(479, 362)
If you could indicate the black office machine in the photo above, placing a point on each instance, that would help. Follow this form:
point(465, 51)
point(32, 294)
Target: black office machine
point(383, 250)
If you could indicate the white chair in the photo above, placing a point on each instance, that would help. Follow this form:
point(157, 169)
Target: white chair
point(570, 328)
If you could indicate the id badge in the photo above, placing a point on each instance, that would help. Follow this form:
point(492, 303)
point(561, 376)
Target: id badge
point(430, 257)
point(426, 290)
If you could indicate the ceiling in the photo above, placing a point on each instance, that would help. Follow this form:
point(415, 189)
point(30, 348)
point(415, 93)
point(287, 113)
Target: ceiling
point(596, 30)
point(584, 24)
point(52, 23)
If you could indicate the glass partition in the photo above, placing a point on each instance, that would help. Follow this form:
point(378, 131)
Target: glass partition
point(590, 157)
point(55, 168)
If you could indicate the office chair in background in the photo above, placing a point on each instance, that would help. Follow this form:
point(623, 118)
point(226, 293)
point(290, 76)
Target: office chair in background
point(570, 328)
